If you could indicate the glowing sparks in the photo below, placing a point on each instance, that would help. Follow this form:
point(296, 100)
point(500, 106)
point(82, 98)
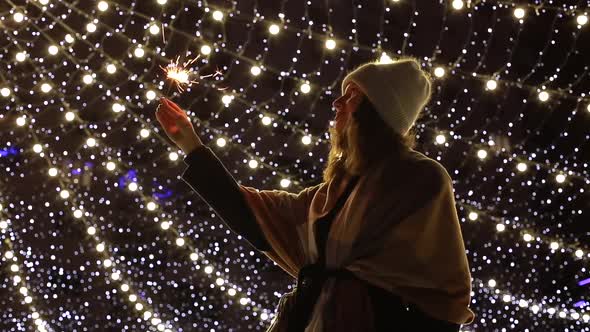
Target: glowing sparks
point(181, 74)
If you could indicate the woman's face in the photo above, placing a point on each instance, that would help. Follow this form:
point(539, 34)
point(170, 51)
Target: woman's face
point(346, 104)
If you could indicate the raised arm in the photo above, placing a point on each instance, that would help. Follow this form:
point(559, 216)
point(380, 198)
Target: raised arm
point(207, 176)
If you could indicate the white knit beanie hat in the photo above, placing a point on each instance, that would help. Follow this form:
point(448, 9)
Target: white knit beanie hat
point(398, 90)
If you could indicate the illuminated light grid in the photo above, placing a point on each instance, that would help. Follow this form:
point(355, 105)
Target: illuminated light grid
point(236, 142)
point(65, 183)
point(482, 77)
point(11, 262)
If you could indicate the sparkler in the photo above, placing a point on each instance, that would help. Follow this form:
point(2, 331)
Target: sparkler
point(181, 74)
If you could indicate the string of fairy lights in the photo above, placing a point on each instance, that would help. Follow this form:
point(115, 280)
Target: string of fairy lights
point(221, 282)
point(10, 257)
point(521, 166)
point(439, 72)
point(306, 86)
point(152, 206)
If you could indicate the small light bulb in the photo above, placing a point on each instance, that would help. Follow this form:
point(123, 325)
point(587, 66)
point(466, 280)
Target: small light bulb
point(139, 52)
point(385, 59)
point(87, 79)
point(78, 213)
point(274, 29)
point(439, 72)
point(306, 139)
point(440, 139)
point(180, 242)
point(21, 121)
point(69, 38)
point(5, 92)
point(253, 163)
point(173, 156)
point(285, 183)
point(582, 19)
point(217, 15)
point(150, 94)
point(560, 178)
point(91, 142)
point(132, 186)
point(521, 167)
point(52, 171)
point(111, 166)
point(266, 120)
point(53, 49)
point(18, 17)
point(330, 44)
point(70, 116)
point(165, 225)
point(491, 85)
point(221, 142)
point(151, 206)
point(226, 99)
point(117, 107)
point(205, 49)
point(91, 230)
point(37, 148)
point(305, 88)
point(500, 227)
point(255, 70)
point(162, 2)
point(111, 68)
point(64, 194)
point(21, 56)
point(519, 13)
point(154, 29)
point(103, 6)
point(543, 96)
point(482, 154)
point(144, 133)
point(46, 87)
point(457, 4)
point(90, 27)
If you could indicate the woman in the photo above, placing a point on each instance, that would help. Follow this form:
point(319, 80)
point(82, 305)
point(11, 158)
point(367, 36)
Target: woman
point(377, 246)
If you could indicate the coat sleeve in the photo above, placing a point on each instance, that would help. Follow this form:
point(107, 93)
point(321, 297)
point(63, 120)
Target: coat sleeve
point(207, 176)
point(281, 216)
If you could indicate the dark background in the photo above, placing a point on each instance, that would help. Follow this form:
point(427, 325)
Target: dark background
point(546, 51)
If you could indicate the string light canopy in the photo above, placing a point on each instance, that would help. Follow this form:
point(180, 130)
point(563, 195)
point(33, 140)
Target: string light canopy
point(98, 232)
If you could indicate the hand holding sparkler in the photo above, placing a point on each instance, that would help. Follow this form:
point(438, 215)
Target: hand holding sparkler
point(177, 125)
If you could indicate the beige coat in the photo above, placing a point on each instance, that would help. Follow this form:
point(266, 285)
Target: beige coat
point(422, 258)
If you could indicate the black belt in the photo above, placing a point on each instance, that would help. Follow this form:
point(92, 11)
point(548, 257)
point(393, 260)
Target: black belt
point(310, 281)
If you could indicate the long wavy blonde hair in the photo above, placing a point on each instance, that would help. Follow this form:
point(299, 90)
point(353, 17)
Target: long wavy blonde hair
point(365, 141)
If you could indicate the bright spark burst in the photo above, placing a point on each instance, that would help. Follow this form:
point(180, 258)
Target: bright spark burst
point(180, 74)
